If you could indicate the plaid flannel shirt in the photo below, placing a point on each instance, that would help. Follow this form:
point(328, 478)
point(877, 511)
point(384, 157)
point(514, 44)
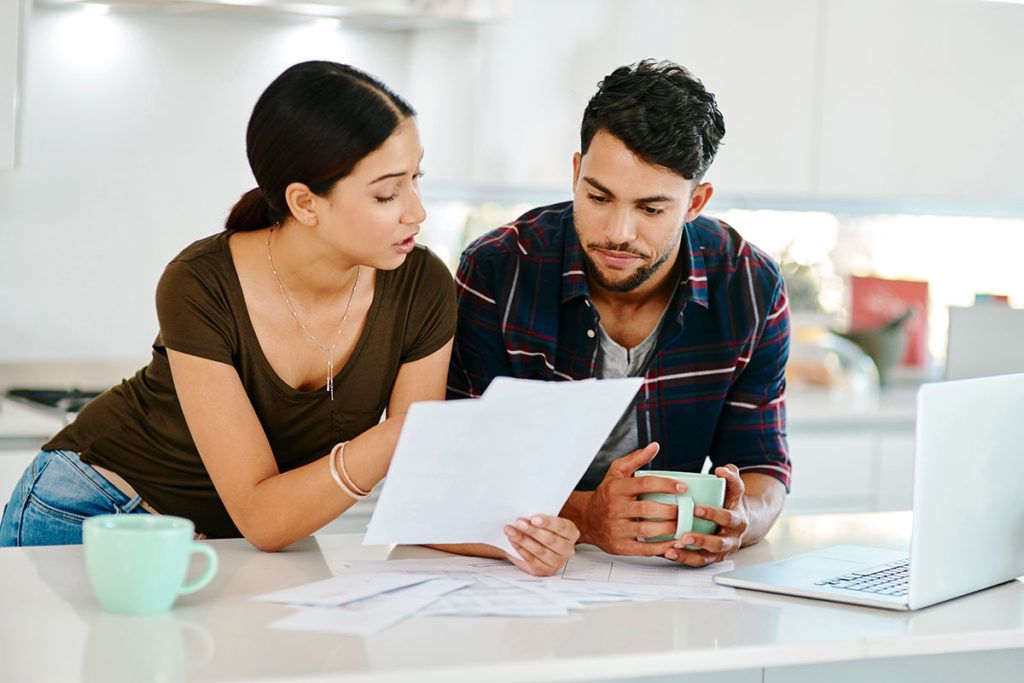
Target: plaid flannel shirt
point(715, 385)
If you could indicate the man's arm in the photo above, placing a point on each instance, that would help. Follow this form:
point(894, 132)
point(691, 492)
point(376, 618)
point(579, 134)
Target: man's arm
point(751, 438)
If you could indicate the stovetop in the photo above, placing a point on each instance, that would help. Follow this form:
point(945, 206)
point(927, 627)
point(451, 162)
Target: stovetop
point(60, 401)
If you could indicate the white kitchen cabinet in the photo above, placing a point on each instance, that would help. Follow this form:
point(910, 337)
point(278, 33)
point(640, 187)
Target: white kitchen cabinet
point(11, 16)
point(12, 465)
point(923, 100)
point(508, 107)
point(851, 469)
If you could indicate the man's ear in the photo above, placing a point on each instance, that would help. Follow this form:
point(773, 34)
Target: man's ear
point(698, 200)
point(577, 159)
point(301, 203)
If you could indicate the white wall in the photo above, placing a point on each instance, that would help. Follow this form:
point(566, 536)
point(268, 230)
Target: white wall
point(133, 146)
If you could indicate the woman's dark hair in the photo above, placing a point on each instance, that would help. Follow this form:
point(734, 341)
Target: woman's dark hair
point(661, 112)
point(312, 125)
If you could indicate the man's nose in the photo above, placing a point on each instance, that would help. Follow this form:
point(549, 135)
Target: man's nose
point(621, 228)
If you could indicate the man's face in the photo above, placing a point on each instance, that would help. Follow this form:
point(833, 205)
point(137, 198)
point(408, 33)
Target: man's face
point(629, 214)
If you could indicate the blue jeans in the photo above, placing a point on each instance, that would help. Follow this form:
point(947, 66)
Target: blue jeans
point(55, 495)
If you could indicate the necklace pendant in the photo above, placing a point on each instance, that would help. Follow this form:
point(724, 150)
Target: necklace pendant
point(330, 374)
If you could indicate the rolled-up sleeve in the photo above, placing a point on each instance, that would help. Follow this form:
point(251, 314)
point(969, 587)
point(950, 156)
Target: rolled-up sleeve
point(751, 432)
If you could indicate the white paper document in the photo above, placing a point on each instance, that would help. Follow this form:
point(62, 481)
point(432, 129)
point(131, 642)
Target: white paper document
point(463, 470)
point(366, 617)
point(343, 589)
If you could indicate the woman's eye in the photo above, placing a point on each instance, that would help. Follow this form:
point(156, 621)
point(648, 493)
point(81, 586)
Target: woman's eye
point(418, 174)
point(385, 200)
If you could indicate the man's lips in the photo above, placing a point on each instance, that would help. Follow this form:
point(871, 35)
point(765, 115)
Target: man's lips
point(618, 259)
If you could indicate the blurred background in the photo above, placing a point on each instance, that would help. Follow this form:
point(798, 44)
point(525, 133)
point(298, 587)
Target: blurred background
point(874, 148)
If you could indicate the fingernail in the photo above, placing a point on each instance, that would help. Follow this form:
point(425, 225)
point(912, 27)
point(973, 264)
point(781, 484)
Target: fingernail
point(688, 540)
point(509, 531)
point(538, 520)
point(698, 512)
point(672, 555)
point(522, 524)
point(681, 488)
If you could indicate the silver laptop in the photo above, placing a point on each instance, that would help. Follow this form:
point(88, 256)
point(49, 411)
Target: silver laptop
point(968, 530)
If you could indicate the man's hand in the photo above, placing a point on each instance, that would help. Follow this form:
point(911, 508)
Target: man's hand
point(732, 520)
point(545, 543)
point(613, 518)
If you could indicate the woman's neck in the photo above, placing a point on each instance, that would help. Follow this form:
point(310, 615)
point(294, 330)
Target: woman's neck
point(307, 265)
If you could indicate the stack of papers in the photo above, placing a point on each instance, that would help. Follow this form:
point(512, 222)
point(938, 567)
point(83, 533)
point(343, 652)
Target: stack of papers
point(368, 597)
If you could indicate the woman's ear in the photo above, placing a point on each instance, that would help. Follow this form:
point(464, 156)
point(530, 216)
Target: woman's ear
point(301, 203)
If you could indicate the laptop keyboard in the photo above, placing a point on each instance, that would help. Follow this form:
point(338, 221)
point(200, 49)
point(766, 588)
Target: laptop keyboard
point(887, 579)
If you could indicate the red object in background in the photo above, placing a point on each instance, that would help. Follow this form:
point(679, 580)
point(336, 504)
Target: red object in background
point(875, 301)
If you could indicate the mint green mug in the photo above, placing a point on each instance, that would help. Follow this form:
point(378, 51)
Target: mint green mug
point(701, 489)
point(137, 563)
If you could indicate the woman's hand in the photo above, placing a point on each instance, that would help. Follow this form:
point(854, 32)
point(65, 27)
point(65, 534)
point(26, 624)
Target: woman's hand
point(545, 543)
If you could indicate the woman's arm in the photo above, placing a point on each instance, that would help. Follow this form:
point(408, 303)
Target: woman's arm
point(274, 509)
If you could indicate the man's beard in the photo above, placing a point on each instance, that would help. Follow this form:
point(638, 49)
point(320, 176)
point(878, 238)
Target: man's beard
point(639, 277)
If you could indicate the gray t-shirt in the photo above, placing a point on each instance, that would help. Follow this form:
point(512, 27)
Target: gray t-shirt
point(615, 361)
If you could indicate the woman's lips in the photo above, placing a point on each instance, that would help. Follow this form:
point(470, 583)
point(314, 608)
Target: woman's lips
point(406, 245)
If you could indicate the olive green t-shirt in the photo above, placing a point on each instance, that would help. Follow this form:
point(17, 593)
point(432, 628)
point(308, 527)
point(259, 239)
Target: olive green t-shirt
point(137, 429)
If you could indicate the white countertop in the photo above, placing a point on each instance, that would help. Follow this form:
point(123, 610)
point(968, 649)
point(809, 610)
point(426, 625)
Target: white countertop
point(51, 628)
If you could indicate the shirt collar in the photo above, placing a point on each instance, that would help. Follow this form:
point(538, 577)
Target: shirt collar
point(693, 276)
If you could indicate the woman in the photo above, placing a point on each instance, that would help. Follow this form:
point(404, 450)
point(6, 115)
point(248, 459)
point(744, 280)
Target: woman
point(282, 340)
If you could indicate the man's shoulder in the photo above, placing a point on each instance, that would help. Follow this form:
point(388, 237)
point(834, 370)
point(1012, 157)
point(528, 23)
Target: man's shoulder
point(537, 232)
point(724, 249)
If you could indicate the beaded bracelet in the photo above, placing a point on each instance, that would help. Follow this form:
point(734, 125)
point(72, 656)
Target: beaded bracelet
point(357, 494)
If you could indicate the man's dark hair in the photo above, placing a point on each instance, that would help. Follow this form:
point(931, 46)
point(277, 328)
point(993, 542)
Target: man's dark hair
point(661, 112)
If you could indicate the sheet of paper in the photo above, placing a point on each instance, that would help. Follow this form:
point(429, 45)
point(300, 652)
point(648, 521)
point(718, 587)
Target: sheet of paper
point(462, 470)
point(343, 589)
point(366, 617)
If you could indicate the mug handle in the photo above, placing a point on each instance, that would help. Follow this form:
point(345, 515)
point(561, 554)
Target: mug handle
point(211, 568)
point(685, 522)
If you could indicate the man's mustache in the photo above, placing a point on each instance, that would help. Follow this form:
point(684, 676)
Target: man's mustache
point(622, 248)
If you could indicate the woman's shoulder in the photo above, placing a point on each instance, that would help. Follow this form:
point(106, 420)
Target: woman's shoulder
point(206, 248)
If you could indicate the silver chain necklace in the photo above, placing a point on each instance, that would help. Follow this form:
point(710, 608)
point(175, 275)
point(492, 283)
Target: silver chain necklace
point(324, 347)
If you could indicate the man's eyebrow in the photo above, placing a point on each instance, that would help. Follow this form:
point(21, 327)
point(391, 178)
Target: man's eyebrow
point(399, 174)
point(655, 199)
point(598, 186)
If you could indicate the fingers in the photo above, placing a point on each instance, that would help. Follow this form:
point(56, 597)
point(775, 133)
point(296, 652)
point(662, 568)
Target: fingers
point(628, 464)
point(634, 486)
point(716, 545)
point(562, 546)
point(693, 558)
point(557, 526)
point(649, 509)
point(650, 529)
point(727, 519)
point(734, 486)
point(540, 557)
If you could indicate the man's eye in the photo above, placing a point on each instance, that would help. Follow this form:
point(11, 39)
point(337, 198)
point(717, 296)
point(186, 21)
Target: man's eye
point(652, 211)
point(597, 199)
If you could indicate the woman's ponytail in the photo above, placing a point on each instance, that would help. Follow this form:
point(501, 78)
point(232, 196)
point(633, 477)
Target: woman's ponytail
point(251, 212)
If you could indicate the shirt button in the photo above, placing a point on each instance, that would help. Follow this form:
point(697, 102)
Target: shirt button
point(590, 333)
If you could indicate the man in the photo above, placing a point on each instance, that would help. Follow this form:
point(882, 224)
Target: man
point(630, 280)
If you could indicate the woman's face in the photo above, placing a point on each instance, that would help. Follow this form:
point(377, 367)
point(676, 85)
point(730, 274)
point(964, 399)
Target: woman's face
point(373, 214)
